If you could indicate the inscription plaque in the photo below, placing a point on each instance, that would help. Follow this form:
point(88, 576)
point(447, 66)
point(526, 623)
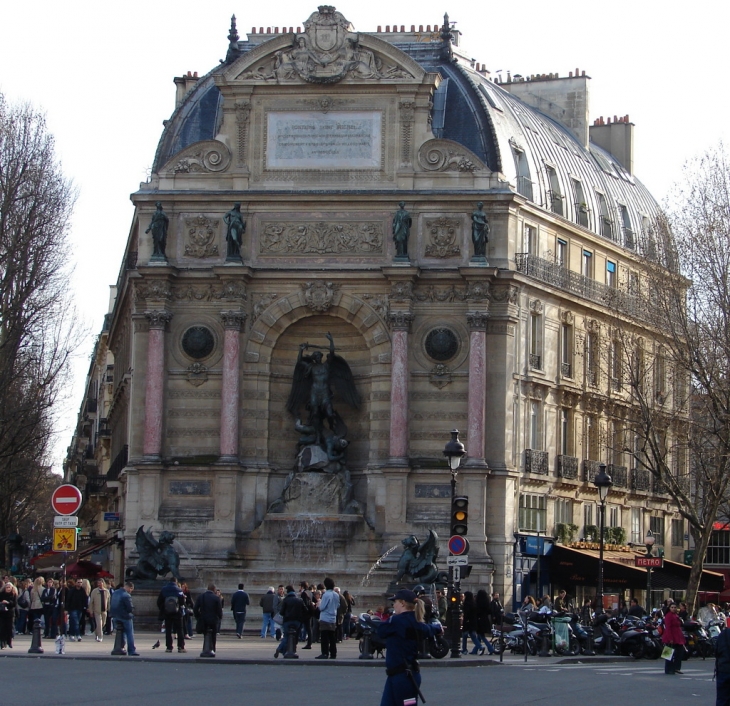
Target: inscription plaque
point(336, 140)
point(433, 490)
point(189, 487)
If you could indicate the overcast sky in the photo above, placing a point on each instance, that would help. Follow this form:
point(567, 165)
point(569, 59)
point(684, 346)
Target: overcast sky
point(103, 74)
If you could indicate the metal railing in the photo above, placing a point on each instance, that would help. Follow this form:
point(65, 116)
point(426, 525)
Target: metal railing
point(95, 484)
point(566, 370)
point(119, 462)
point(619, 475)
point(568, 467)
point(590, 470)
point(535, 361)
point(536, 462)
point(640, 479)
point(554, 274)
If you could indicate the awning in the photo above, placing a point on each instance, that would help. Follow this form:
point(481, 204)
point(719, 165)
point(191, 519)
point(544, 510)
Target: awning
point(96, 547)
point(571, 566)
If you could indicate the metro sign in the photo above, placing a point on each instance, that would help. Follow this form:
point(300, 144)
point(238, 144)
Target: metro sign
point(66, 499)
point(649, 562)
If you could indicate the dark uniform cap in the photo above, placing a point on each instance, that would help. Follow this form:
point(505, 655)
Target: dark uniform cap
point(404, 595)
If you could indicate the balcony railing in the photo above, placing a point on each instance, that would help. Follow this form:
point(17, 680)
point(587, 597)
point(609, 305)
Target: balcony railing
point(95, 484)
point(640, 479)
point(619, 475)
point(659, 487)
point(553, 274)
point(536, 462)
point(119, 462)
point(590, 470)
point(568, 467)
point(535, 361)
point(91, 406)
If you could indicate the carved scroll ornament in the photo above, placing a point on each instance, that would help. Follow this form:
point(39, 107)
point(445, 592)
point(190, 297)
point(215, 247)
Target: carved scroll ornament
point(205, 156)
point(447, 156)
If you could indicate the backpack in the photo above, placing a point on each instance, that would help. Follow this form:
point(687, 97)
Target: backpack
point(172, 604)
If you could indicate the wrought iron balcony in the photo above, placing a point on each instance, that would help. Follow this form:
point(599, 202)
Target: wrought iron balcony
point(619, 475)
point(659, 487)
point(535, 361)
point(568, 467)
point(557, 276)
point(95, 484)
point(566, 370)
point(640, 479)
point(590, 470)
point(119, 462)
point(536, 462)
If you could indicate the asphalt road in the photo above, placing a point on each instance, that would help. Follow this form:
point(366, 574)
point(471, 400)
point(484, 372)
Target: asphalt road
point(83, 680)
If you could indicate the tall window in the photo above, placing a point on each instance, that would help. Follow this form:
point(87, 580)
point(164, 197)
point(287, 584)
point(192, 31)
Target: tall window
point(617, 445)
point(677, 533)
point(562, 253)
point(531, 240)
point(592, 359)
point(616, 365)
point(565, 431)
point(524, 183)
point(718, 550)
point(566, 350)
point(581, 206)
point(555, 195)
point(586, 264)
point(637, 525)
point(614, 516)
point(591, 442)
point(536, 340)
point(610, 274)
point(533, 512)
point(535, 426)
point(656, 525)
point(660, 374)
point(563, 511)
point(606, 222)
point(587, 514)
point(634, 283)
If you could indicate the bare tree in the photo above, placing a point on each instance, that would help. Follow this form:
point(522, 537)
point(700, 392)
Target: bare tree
point(37, 324)
point(676, 366)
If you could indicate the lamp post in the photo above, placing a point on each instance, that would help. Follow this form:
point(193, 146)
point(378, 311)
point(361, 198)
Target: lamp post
point(603, 482)
point(649, 543)
point(454, 450)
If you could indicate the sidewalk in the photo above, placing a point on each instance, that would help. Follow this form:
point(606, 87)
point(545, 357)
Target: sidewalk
point(254, 650)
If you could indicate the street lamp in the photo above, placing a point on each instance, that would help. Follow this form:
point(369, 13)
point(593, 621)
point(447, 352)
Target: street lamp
point(603, 482)
point(649, 543)
point(454, 451)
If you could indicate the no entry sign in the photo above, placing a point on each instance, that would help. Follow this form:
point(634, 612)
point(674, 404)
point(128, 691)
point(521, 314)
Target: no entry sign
point(66, 499)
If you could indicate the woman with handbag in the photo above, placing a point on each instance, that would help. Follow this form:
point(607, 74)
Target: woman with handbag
point(7, 613)
point(673, 638)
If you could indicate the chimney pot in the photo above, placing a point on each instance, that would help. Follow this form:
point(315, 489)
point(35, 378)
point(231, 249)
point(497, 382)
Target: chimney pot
point(253, 30)
point(387, 28)
point(402, 28)
point(380, 28)
point(276, 30)
point(413, 28)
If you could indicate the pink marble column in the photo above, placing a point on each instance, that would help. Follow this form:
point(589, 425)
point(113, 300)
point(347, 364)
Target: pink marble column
point(477, 398)
point(400, 323)
point(230, 393)
point(154, 391)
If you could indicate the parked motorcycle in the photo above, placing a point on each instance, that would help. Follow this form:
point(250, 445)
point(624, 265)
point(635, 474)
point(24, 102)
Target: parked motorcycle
point(438, 647)
point(606, 639)
point(634, 638)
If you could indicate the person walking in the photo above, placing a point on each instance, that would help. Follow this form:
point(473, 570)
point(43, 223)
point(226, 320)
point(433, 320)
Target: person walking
point(673, 637)
point(122, 610)
point(401, 633)
point(484, 620)
point(469, 626)
point(188, 611)
point(329, 604)
point(209, 610)
point(171, 604)
point(239, 604)
point(22, 606)
point(722, 668)
point(77, 603)
point(268, 604)
point(8, 602)
point(293, 612)
point(99, 606)
point(48, 600)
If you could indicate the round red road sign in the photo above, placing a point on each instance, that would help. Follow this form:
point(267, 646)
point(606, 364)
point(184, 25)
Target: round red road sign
point(458, 545)
point(66, 499)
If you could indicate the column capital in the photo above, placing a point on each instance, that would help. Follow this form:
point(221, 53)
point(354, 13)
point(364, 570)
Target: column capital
point(233, 319)
point(400, 320)
point(477, 320)
point(158, 318)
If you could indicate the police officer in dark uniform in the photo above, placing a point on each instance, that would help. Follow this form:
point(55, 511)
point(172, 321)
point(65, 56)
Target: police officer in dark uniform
point(401, 632)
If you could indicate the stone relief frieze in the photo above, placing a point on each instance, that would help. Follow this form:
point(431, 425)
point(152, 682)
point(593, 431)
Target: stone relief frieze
point(228, 290)
point(319, 295)
point(206, 156)
point(156, 289)
point(201, 236)
point(401, 292)
point(261, 303)
point(504, 293)
point(442, 236)
point(430, 293)
point(446, 156)
point(322, 238)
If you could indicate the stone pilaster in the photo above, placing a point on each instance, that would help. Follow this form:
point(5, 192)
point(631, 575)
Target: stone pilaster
point(476, 404)
point(233, 321)
point(154, 391)
point(400, 322)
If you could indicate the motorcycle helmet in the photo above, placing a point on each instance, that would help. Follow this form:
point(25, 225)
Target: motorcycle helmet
point(419, 590)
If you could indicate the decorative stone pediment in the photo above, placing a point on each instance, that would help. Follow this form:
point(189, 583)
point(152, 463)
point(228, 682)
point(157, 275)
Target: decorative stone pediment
point(448, 156)
point(205, 156)
point(329, 50)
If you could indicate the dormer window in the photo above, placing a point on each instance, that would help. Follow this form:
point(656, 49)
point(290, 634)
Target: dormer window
point(555, 195)
point(524, 182)
point(629, 235)
point(604, 217)
point(581, 205)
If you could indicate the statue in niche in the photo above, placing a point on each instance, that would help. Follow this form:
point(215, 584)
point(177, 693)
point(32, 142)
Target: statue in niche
point(419, 560)
point(158, 227)
point(402, 222)
point(234, 235)
point(156, 556)
point(311, 386)
point(479, 232)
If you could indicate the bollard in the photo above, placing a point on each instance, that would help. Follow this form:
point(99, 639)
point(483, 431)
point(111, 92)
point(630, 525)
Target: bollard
point(35, 643)
point(590, 651)
point(609, 644)
point(291, 643)
point(545, 647)
point(119, 641)
point(208, 642)
point(365, 644)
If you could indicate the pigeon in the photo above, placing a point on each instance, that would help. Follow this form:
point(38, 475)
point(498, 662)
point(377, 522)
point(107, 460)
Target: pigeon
point(156, 645)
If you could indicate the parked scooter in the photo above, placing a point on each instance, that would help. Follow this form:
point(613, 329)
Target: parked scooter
point(634, 638)
point(367, 634)
point(606, 639)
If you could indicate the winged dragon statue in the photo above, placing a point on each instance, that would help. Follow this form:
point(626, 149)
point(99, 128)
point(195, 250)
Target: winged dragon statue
point(156, 556)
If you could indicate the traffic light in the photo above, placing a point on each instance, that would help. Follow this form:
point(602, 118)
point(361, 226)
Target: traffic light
point(459, 515)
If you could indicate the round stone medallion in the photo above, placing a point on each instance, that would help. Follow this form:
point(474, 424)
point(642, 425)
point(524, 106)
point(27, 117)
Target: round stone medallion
point(198, 342)
point(441, 344)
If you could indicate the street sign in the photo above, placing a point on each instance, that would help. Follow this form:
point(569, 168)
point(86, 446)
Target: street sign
point(112, 517)
point(66, 499)
point(457, 560)
point(649, 562)
point(64, 539)
point(458, 545)
point(457, 574)
point(65, 521)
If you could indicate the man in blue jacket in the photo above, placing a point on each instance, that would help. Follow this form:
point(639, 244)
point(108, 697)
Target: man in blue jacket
point(171, 604)
point(239, 603)
point(122, 611)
